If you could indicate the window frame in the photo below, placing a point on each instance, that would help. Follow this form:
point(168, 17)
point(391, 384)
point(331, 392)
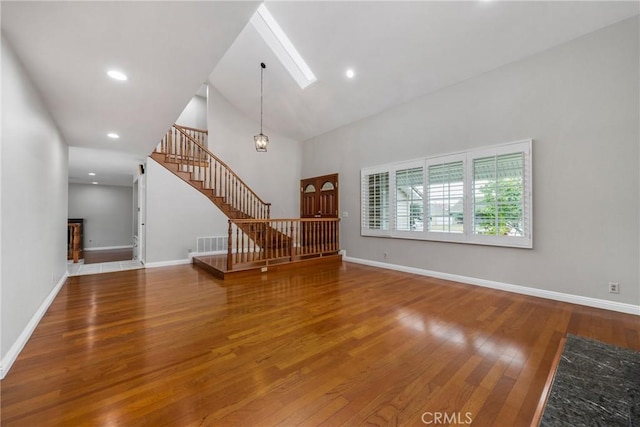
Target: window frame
point(395, 232)
point(467, 236)
point(445, 236)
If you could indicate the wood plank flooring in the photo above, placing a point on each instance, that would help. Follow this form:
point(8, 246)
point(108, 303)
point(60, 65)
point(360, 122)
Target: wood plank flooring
point(347, 345)
point(108, 255)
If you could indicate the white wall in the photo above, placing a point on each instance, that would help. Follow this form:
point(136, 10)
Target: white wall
point(34, 207)
point(194, 114)
point(176, 214)
point(579, 102)
point(274, 175)
point(107, 212)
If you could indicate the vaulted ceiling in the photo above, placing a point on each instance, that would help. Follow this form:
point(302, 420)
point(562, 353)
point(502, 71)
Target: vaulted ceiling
point(399, 51)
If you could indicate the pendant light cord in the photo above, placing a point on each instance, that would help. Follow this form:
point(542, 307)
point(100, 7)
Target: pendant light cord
point(262, 67)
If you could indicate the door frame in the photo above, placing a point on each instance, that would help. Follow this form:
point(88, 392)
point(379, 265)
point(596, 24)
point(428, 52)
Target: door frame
point(139, 215)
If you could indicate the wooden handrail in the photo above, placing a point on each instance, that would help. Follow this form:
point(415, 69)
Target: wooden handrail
point(200, 135)
point(205, 131)
point(254, 221)
point(179, 146)
point(263, 242)
point(220, 162)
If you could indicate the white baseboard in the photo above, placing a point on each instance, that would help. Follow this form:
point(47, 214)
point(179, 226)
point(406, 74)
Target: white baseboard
point(16, 348)
point(168, 263)
point(194, 254)
point(106, 248)
point(524, 290)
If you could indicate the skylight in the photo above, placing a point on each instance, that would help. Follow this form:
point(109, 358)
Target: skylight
point(278, 41)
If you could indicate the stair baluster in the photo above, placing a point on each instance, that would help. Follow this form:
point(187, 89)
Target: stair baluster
point(182, 152)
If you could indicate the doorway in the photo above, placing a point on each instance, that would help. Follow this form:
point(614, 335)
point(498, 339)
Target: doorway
point(319, 197)
point(139, 214)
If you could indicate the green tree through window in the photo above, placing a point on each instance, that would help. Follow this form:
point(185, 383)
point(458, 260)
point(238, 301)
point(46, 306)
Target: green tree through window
point(501, 208)
point(498, 195)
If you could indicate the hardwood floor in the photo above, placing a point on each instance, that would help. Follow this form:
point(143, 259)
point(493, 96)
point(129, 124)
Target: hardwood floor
point(348, 345)
point(108, 255)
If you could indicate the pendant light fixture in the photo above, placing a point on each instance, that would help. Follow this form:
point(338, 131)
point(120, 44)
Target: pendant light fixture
point(261, 140)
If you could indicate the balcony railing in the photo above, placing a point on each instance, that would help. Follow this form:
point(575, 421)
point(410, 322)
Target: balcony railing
point(254, 242)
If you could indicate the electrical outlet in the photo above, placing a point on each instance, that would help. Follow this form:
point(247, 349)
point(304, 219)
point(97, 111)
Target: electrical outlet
point(614, 288)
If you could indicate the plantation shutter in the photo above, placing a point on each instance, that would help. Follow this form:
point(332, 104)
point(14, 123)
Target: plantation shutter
point(499, 194)
point(482, 196)
point(375, 202)
point(445, 195)
point(409, 207)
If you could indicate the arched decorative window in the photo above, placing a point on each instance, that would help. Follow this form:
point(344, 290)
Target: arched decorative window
point(327, 186)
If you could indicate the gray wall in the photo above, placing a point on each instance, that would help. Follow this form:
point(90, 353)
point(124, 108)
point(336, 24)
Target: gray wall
point(107, 212)
point(34, 203)
point(579, 103)
point(274, 175)
point(194, 114)
point(176, 215)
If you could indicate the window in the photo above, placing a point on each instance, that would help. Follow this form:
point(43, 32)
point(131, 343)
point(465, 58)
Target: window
point(445, 195)
point(327, 186)
point(481, 196)
point(375, 203)
point(497, 195)
point(409, 185)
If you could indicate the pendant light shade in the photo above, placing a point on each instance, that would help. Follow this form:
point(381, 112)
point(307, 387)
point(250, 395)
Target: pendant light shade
point(261, 140)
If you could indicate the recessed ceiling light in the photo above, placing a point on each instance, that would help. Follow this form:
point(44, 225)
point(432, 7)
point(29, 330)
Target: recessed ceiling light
point(92, 174)
point(113, 135)
point(117, 75)
point(350, 73)
point(94, 182)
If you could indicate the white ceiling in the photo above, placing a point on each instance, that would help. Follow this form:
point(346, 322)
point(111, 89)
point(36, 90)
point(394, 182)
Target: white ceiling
point(167, 49)
point(399, 50)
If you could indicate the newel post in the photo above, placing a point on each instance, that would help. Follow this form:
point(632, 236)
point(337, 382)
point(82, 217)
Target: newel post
point(291, 241)
point(229, 260)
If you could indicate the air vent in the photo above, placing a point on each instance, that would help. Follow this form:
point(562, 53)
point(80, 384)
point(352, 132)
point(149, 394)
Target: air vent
point(211, 244)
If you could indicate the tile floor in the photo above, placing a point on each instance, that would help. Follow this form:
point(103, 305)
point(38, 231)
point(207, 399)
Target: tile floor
point(81, 269)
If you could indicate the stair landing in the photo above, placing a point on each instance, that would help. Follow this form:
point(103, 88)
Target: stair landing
point(217, 265)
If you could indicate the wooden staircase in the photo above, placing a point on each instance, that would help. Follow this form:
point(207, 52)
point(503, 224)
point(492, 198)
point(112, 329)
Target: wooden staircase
point(182, 153)
point(176, 167)
point(255, 240)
